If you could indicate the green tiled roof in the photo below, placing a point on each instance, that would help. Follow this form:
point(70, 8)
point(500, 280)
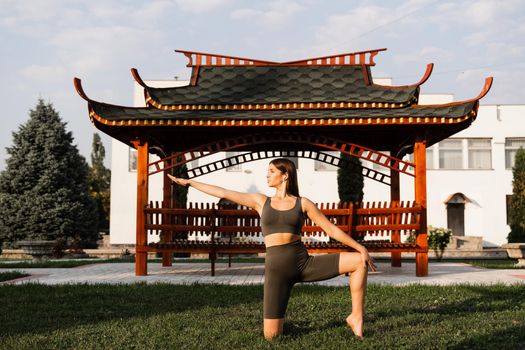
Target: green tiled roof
point(281, 84)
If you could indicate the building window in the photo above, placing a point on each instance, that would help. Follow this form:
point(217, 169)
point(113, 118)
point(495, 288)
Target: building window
point(132, 160)
point(479, 154)
point(322, 166)
point(451, 154)
point(512, 145)
point(429, 156)
point(236, 167)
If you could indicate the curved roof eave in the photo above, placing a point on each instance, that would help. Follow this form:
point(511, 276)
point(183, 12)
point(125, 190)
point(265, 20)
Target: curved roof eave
point(484, 91)
point(421, 81)
point(144, 116)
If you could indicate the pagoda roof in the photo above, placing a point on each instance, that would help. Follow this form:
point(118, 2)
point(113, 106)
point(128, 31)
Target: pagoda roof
point(279, 84)
point(432, 114)
point(225, 80)
point(335, 94)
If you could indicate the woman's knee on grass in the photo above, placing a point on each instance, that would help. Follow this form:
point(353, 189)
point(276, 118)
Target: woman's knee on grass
point(273, 327)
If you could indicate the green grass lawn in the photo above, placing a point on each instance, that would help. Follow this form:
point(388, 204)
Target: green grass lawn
point(58, 263)
point(81, 262)
point(11, 275)
point(229, 317)
point(487, 263)
point(492, 263)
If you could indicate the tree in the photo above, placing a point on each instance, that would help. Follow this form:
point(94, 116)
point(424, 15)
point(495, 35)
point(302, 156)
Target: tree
point(180, 193)
point(43, 190)
point(99, 183)
point(350, 179)
point(517, 204)
point(180, 198)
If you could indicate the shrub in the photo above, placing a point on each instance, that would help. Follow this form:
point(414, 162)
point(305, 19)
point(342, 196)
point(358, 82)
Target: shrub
point(350, 181)
point(438, 239)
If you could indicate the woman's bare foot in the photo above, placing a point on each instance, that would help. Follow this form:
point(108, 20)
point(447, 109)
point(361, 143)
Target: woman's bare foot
point(356, 324)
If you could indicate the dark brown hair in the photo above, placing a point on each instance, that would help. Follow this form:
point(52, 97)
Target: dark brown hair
point(286, 166)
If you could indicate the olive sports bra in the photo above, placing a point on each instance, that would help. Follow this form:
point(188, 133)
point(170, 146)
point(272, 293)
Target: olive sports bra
point(282, 221)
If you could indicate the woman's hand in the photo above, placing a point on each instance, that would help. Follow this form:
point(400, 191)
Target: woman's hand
point(179, 181)
point(367, 259)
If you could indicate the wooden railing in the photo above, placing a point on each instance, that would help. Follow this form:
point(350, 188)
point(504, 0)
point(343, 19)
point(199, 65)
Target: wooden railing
point(360, 220)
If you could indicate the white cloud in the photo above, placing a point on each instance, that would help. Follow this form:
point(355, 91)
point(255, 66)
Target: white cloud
point(90, 52)
point(13, 13)
point(30, 18)
point(100, 48)
point(88, 38)
point(42, 72)
point(480, 13)
point(200, 6)
point(489, 12)
point(274, 14)
point(44, 18)
point(342, 31)
point(426, 54)
point(244, 14)
point(279, 12)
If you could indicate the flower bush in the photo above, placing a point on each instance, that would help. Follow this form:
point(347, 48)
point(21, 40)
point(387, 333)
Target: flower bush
point(438, 239)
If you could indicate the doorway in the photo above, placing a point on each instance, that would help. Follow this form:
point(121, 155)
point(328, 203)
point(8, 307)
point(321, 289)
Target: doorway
point(456, 213)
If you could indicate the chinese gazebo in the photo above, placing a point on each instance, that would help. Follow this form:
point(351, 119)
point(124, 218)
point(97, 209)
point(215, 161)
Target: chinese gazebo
point(300, 108)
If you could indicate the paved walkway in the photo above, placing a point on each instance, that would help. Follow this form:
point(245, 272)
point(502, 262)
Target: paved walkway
point(252, 273)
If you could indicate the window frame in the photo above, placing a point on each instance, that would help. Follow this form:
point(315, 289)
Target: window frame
point(441, 149)
point(469, 149)
point(509, 165)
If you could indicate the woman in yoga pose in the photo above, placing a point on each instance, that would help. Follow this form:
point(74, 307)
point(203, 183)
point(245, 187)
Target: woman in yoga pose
point(287, 261)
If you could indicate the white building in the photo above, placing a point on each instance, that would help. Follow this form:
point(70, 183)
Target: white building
point(469, 176)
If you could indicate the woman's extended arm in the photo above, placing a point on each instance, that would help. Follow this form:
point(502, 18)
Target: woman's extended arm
point(252, 200)
point(335, 232)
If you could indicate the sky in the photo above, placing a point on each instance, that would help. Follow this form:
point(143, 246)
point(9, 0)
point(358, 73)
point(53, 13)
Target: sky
point(45, 43)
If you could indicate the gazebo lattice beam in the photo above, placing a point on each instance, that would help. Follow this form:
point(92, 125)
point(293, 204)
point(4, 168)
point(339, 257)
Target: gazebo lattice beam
point(355, 150)
point(258, 155)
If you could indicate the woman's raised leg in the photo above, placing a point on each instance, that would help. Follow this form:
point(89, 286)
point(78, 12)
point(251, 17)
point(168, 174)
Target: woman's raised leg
point(352, 263)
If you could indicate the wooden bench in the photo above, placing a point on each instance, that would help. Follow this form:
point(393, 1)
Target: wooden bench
point(209, 229)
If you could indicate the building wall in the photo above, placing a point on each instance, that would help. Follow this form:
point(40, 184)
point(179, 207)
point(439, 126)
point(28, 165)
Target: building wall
point(485, 214)
point(124, 182)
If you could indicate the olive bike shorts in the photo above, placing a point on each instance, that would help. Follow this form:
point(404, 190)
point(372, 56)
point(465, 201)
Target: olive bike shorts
point(288, 264)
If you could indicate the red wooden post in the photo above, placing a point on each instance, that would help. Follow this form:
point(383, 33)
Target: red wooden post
point(395, 257)
point(166, 219)
point(141, 256)
point(421, 199)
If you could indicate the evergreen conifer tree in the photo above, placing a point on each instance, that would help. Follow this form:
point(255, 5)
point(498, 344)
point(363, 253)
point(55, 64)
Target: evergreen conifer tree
point(180, 193)
point(517, 214)
point(99, 182)
point(180, 198)
point(350, 181)
point(43, 190)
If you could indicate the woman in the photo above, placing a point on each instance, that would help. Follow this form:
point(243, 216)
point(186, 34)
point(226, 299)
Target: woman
point(287, 261)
